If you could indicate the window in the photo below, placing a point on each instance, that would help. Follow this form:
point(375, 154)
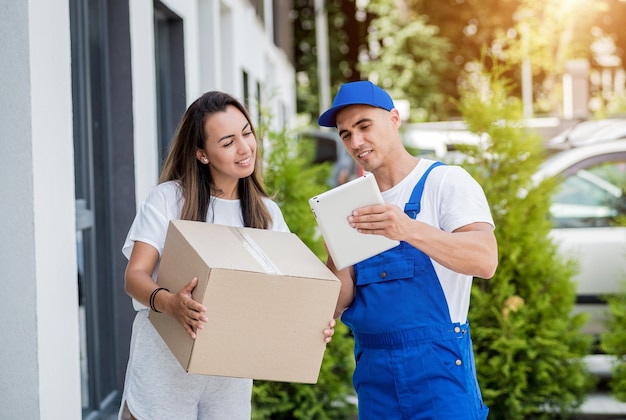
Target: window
point(591, 197)
point(170, 74)
point(259, 105)
point(246, 89)
point(259, 6)
point(105, 202)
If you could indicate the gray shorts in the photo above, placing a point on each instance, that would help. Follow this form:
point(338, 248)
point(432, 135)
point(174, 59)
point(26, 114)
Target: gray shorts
point(157, 387)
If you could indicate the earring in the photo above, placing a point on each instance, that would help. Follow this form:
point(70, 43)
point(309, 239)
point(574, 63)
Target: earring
point(205, 160)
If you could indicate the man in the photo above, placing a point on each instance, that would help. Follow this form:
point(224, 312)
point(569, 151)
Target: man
point(408, 306)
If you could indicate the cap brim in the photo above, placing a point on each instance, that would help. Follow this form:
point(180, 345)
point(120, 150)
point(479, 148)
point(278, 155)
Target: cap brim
point(328, 118)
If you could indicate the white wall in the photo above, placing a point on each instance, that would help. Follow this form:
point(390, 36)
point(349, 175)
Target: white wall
point(39, 313)
point(39, 350)
point(18, 352)
point(144, 97)
point(54, 216)
point(222, 38)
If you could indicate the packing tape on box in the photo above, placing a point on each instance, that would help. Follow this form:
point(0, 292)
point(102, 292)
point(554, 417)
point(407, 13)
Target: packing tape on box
point(255, 250)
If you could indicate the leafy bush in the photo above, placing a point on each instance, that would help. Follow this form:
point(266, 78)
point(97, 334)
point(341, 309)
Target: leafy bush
point(329, 399)
point(529, 348)
point(613, 342)
point(292, 179)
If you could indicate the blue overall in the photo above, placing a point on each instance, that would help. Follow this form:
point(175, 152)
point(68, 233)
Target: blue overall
point(412, 361)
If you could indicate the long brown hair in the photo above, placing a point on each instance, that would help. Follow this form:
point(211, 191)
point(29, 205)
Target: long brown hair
point(195, 179)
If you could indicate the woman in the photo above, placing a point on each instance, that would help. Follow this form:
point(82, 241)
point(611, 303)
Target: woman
point(212, 173)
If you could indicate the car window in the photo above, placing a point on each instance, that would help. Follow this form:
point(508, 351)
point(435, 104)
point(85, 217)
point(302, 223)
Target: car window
point(591, 197)
point(327, 147)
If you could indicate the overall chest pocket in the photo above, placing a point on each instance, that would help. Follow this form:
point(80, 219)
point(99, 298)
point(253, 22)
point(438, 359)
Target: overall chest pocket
point(385, 268)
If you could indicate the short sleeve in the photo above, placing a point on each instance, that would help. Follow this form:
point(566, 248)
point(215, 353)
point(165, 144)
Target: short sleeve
point(278, 221)
point(152, 219)
point(462, 200)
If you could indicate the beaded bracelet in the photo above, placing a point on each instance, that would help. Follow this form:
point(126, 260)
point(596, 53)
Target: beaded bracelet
point(153, 295)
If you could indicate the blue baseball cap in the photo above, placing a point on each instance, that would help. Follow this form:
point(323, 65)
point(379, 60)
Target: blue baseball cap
point(362, 92)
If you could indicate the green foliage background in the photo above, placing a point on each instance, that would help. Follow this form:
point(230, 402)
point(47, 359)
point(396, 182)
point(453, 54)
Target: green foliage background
point(410, 61)
point(613, 342)
point(529, 348)
point(292, 180)
point(548, 32)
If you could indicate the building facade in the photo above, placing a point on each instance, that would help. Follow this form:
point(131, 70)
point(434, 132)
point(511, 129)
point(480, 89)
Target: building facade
point(91, 93)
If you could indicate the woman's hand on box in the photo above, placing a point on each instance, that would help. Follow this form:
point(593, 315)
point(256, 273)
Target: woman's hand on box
point(186, 310)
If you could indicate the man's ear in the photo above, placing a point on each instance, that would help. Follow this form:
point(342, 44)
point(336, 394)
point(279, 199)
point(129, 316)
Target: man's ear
point(395, 117)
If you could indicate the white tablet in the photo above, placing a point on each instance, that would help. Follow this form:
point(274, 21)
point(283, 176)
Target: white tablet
point(331, 210)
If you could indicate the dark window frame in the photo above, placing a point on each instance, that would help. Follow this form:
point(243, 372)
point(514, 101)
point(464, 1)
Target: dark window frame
point(105, 193)
point(245, 82)
point(170, 74)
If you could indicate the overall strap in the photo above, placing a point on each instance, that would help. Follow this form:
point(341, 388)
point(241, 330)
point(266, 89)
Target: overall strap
point(412, 208)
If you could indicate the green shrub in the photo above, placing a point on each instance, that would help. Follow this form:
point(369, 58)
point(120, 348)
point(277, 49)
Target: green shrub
point(292, 180)
point(329, 399)
point(613, 342)
point(529, 348)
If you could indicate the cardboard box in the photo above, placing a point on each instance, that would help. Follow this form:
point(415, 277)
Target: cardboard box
point(268, 300)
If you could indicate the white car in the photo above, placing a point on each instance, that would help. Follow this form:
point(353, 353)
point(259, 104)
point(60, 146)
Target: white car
point(329, 148)
point(586, 208)
point(591, 159)
point(585, 211)
point(438, 144)
point(588, 132)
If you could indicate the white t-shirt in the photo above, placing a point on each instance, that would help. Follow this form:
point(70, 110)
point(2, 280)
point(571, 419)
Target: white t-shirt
point(164, 203)
point(451, 199)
